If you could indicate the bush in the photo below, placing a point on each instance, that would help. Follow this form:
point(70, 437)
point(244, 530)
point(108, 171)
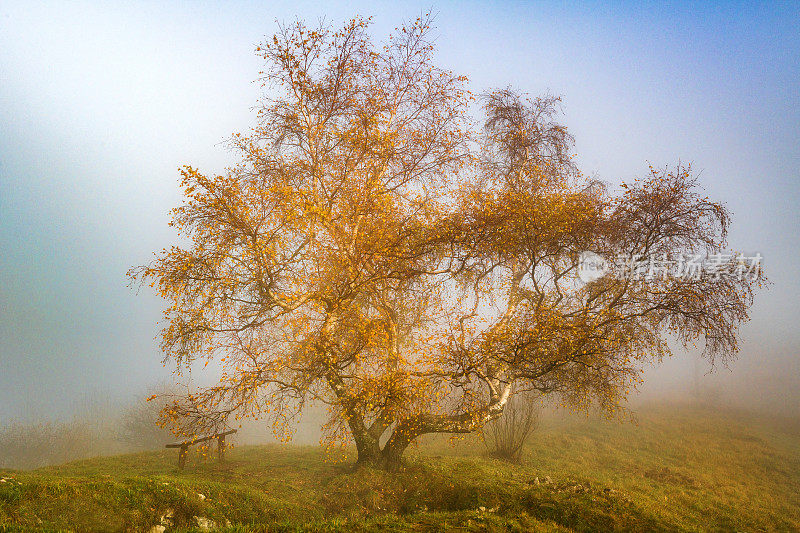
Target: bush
point(139, 429)
point(24, 446)
point(99, 430)
point(505, 437)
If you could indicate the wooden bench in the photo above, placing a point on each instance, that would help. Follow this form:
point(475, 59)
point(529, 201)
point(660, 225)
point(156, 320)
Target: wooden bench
point(184, 446)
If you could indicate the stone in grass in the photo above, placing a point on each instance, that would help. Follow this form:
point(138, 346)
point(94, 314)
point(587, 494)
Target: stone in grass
point(167, 517)
point(204, 524)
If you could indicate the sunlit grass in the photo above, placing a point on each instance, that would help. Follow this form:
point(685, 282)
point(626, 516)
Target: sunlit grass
point(683, 469)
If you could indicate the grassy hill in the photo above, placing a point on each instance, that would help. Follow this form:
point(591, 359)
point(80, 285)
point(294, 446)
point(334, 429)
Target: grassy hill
point(678, 469)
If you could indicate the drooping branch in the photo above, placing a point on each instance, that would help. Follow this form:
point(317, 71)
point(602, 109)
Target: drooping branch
point(375, 252)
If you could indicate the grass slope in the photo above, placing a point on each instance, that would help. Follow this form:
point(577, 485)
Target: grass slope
point(678, 469)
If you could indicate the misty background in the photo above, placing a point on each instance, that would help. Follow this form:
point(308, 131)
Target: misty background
point(101, 102)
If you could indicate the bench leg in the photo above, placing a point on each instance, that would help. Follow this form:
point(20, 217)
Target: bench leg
point(182, 456)
point(221, 448)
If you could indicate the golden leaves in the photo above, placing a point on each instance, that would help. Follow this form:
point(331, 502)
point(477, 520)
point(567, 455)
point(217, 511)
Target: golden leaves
point(369, 254)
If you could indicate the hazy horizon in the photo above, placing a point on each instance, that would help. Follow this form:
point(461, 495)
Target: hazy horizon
point(99, 105)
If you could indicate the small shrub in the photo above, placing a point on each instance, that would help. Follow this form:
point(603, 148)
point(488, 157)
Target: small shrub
point(139, 427)
point(24, 446)
point(505, 437)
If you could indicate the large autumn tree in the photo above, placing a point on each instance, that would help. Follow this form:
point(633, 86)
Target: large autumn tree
point(376, 252)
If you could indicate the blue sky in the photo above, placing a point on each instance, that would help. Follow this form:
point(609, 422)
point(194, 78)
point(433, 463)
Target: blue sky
point(101, 102)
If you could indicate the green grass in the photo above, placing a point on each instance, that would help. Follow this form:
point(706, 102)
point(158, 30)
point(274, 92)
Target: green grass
point(678, 469)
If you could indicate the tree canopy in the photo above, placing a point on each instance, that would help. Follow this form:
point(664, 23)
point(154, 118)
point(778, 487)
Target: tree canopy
point(376, 251)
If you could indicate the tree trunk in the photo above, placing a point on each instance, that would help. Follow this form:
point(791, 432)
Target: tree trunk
point(372, 456)
point(389, 459)
point(369, 451)
point(368, 457)
point(392, 457)
point(406, 431)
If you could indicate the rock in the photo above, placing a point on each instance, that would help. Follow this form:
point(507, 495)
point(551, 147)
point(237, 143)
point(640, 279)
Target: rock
point(157, 529)
point(166, 518)
point(204, 524)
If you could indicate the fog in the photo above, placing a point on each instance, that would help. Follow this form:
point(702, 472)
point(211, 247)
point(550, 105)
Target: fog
point(99, 105)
